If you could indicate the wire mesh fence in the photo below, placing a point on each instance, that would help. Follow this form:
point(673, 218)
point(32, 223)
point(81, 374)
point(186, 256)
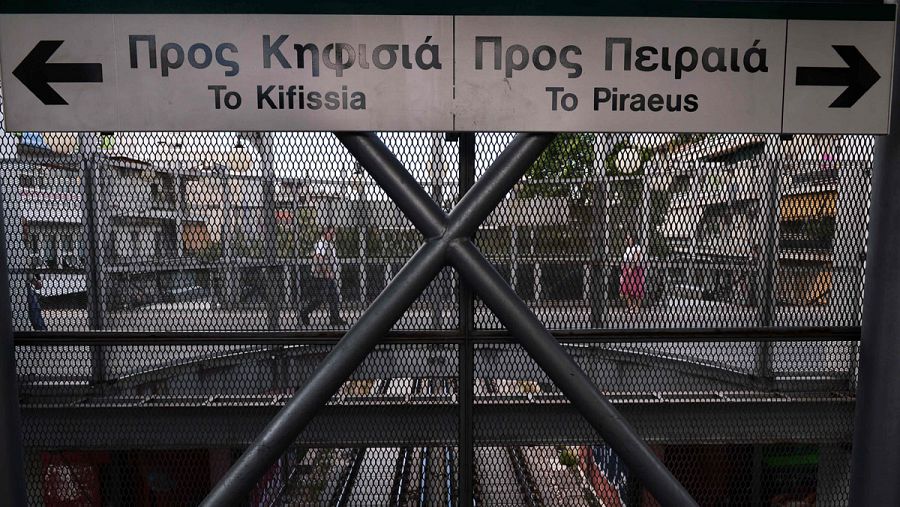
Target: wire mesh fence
point(144, 258)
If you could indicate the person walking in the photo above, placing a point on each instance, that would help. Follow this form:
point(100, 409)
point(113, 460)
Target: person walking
point(35, 314)
point(324, 271)
point(631, 281)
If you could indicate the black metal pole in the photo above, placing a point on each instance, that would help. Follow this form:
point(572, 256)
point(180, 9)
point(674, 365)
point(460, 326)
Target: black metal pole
point(875, 464)
point(12, 474)
point(769, 272)
point(91, 167)
point(467, 351)
point(330, 374)
point(567, 376)
point(598, 267)
point(92, 241)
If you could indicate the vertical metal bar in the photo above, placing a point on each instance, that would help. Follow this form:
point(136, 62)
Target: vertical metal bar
point(876, 454)
point(362, 224)
point(436, 179)
point(599, 280)
point(91, 238)
point(567, 375)
point(770, 254)
point(263, 144)
point(228, 269)
point(91, 172)
point(12, 459)
point(847, 247)
point(697, 178)
point(598, 266)
point(466, 454)
point(771, 218)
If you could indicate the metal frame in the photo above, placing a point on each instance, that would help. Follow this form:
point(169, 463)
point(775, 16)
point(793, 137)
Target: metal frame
point(466, 445)
point(447, 242)
point(876, 453)
point(677, 335)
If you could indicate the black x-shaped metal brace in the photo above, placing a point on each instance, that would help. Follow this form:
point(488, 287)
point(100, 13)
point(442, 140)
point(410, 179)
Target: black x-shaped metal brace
point(447, 242)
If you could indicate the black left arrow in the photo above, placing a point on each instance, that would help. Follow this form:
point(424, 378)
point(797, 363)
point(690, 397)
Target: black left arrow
point(858, 76)
point(35, 73)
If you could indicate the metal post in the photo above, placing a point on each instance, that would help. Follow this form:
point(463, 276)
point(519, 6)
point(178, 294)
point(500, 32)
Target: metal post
point(228, 267)
point(12, 474)
point(436, 178)
point(90, 172)
point(361, 216)
point(466, 455)
point(262, 141)
point(599, 276)
point(847, 248)
point(876, 454)
point(771, 216)
point(95, 242)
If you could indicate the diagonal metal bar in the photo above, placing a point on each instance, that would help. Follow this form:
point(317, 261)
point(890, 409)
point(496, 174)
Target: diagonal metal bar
point(418, 206)
point(568, 376)
point(495, 183)
point(400, 186)
point(448, 241)
point(477, 272)
point(337, 366)
point(381, 315)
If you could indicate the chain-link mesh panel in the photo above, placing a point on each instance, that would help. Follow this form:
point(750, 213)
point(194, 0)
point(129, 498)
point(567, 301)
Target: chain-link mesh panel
point(171, 233)
point(681, 231)
point(211, 231)
point(182, 415)
point(728, 435)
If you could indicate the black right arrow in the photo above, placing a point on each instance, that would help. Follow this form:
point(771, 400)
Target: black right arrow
point(35, 73)
point(858, 76)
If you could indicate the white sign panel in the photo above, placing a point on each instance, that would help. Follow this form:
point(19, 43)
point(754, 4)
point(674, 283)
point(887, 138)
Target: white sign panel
point(226, 72)
point(441, 73)
point(626, 74)
point(838, 77)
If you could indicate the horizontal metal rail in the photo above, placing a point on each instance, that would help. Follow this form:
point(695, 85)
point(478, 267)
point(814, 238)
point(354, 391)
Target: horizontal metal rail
point(729, 418)
point(735, 334)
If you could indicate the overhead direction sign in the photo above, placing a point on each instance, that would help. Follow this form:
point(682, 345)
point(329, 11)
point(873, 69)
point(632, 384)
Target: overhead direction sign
point(630, 74)
point(229, 72)
point(465, 73)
